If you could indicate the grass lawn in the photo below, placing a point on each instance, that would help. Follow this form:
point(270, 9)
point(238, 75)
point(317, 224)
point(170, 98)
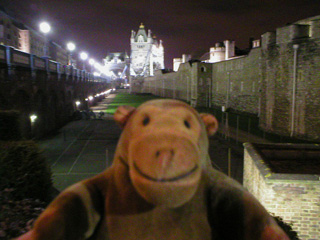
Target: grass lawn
point(128, 99)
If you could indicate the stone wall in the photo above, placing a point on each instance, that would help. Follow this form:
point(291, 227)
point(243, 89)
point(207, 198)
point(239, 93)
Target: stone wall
point(294, 197)
point(291, 81)
point(236, 83)
point(279, 81)
point(47, 89)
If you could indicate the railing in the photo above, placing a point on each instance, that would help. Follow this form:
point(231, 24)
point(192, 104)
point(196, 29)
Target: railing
point(14, 59)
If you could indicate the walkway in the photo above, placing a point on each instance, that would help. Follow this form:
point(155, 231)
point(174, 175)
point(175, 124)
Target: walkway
point(85, 148)
point(82, 149)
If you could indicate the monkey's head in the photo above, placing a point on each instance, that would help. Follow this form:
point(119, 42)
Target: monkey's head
point(164, 143)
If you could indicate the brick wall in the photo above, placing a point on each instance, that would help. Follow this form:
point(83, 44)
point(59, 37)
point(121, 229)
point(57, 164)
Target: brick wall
point(294, 197)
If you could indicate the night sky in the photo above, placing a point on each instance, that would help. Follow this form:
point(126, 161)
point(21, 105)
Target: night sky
point(190, 26)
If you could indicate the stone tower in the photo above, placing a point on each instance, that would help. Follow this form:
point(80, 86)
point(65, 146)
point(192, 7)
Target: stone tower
point(147, 54)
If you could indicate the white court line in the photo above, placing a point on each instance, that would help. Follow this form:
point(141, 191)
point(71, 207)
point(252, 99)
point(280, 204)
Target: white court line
point(82, 150)
point(216, 165)
point(67, 148)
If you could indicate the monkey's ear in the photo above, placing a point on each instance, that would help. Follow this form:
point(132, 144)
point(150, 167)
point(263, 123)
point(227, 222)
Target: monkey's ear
point(122, 114)
point(211, 123)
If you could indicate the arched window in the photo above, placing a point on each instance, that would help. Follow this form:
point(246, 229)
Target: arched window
point(140, 38)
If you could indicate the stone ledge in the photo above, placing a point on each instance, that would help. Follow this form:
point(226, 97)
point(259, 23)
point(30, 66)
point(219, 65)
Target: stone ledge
point(254, 150)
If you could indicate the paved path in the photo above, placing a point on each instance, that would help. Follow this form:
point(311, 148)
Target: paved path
point(82, 148)
point(85, 148)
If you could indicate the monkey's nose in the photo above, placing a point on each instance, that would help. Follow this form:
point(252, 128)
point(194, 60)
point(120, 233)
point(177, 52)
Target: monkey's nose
point(164, 160)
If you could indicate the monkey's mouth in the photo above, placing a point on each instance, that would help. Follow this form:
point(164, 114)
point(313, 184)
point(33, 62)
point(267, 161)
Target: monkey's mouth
point(172, 179)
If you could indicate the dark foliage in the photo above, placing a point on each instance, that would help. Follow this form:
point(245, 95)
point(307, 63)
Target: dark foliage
point(17, 216)
point(293, 235)
point(25, 170)
point(9, 125)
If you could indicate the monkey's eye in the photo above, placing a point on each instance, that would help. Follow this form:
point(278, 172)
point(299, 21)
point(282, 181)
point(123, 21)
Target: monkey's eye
point(145, 121)
point(187, 124)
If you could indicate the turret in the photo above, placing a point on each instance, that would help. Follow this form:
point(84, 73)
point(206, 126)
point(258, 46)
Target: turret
point(133, 35)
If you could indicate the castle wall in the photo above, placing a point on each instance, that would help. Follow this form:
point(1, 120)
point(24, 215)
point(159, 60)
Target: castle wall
point(290, 89)
point(235, 83)
point(279, 81)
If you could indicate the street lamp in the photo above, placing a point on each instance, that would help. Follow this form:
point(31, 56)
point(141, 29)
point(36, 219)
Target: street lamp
point(84, 57)
point(45, 28)
point(78, 104)
point(33, 118)
point(71, 46)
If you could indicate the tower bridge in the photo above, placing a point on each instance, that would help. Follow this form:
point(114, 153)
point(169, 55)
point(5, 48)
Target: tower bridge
point(117, 65)
point(35, 86)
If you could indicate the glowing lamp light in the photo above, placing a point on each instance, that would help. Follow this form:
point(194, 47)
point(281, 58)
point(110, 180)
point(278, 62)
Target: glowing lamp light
point(83, 56)
point(71, 46)
point(91, 61)
point(86, 99)
point(78, 103)
point(33, 118)
point(45, 27)
point(97, 66)
point(90, 98)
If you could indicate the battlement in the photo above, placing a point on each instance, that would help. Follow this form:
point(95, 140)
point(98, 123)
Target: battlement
point(292, 32)
point(306, 28)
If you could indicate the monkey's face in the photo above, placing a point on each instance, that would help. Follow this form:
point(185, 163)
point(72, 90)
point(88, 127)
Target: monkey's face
point(164, 155)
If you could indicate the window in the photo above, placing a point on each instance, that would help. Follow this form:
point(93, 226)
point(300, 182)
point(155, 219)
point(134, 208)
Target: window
point(203, 69)
point(140, 38)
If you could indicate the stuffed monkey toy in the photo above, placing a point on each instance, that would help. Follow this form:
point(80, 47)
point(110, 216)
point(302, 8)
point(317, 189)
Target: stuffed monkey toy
point(160, 186)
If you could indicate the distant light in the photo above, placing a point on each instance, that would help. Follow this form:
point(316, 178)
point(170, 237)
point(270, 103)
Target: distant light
point(83, 56)
point(86, 99)
point(71, 46)
point(97, 65)
point(91, 61)
point(33, 118)
point(96, 74)
point(45, 27)
point(78, 103)
point(90, 98)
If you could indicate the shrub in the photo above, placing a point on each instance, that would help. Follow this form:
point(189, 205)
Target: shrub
point(24, 170)
point(17, 216)
point(287, 228)
point(9, 125)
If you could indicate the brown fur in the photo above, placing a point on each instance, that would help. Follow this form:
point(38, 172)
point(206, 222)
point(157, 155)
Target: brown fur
point(161, 185)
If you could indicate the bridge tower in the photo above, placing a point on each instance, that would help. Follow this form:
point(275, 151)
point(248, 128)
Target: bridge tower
point(147, 55)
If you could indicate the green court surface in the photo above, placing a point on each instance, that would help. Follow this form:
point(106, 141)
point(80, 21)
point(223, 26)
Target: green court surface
point(128, 99)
